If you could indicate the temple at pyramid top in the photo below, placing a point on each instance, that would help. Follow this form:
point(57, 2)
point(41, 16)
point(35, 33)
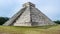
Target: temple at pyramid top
point(29, 15)
point(28, 4)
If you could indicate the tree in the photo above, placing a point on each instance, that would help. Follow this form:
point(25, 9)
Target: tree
point(58, 21)
point(3, 20)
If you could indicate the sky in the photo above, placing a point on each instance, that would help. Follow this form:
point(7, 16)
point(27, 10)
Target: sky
point(50, 8)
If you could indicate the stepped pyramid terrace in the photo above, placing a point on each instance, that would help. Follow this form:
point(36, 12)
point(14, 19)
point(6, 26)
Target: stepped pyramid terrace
point(29, 15)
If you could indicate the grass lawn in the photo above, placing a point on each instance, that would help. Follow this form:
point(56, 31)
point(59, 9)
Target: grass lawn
point(30, 30)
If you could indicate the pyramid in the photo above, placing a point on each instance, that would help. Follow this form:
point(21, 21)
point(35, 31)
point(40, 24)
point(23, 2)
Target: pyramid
point(29, 15)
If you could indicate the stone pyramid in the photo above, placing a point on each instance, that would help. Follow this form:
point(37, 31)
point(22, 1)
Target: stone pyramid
point(29, 15)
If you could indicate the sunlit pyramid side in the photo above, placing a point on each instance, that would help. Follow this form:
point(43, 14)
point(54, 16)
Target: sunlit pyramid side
point(29, 15)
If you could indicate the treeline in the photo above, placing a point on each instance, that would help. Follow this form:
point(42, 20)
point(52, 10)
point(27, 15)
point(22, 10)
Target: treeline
point(57, 21)
point(4, 19)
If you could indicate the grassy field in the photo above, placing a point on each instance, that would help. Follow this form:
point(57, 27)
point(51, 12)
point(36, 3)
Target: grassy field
point(30, 30)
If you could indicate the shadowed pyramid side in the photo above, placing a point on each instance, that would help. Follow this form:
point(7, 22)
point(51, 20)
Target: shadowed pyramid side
point(39, 19)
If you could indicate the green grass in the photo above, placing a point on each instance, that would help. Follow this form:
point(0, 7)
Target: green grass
point(53, 29)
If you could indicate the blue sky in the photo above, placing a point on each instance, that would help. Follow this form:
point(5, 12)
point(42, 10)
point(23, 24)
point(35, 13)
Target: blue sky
point(51, 8)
